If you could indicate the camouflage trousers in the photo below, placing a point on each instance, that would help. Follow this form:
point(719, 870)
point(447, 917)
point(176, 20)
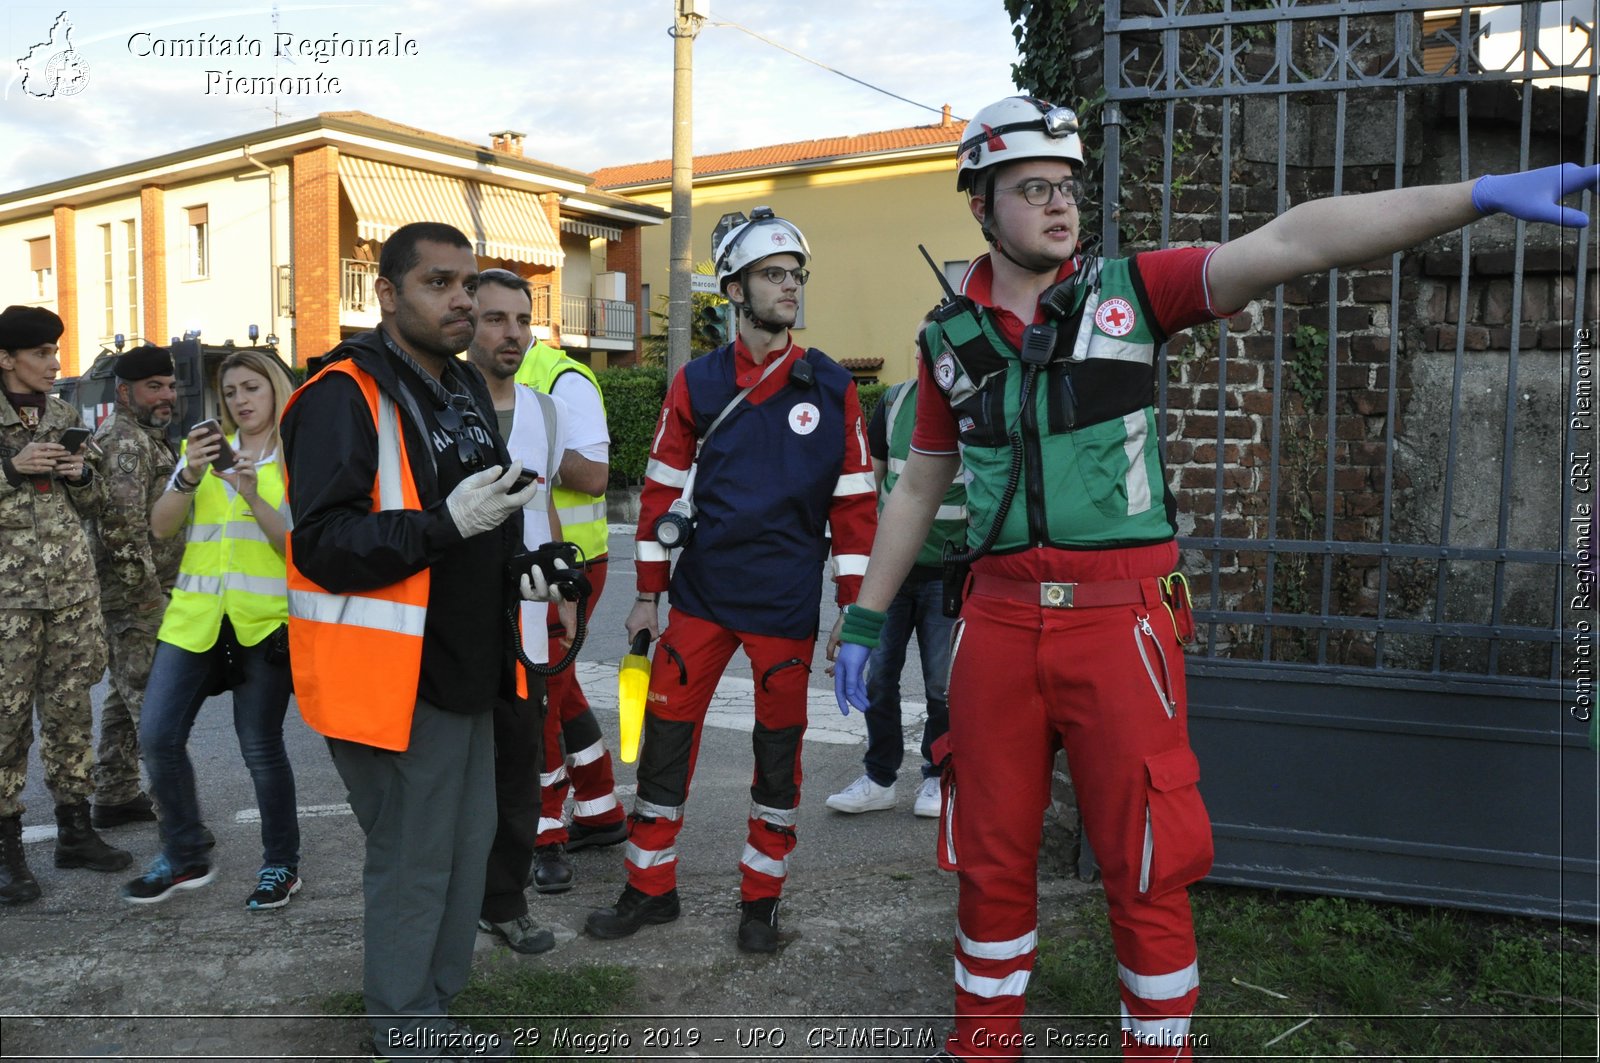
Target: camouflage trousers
point(49, 660)
point(131, 644)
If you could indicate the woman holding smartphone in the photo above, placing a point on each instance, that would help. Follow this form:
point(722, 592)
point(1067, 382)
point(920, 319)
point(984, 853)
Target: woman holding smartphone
point(225, 628)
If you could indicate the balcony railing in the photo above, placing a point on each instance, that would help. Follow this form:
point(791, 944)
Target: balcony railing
point(358, 293)
point(602, 319)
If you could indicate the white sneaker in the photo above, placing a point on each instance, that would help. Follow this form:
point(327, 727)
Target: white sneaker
point(863, 795)
point(927, 805)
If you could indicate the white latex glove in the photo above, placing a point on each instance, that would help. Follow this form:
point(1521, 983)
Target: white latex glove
point(535, 589)
point(484, 500)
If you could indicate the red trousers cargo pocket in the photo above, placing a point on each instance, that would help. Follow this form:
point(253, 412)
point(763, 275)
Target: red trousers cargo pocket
point(1177, 831)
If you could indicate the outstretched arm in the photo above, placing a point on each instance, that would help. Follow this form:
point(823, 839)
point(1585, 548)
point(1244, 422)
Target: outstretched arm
point(1343, 230)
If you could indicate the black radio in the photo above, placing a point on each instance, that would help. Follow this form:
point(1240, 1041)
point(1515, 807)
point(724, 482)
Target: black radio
point(569, 581)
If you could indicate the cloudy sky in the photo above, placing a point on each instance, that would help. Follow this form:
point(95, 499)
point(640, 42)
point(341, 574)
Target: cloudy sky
point(590, 81)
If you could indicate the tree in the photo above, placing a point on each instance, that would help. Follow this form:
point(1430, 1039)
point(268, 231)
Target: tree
point(1043, 30)
point(653, 348)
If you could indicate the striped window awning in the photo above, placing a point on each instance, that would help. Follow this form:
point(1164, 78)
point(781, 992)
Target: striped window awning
point(500, 222)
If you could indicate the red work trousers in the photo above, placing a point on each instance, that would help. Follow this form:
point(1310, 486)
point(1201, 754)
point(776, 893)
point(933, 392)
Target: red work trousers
point(689, 660)
point(575, 755)
point(1107, 685)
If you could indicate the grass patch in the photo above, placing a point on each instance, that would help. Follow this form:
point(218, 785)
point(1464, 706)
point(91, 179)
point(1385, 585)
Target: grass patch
point(528, 1004)
point(1383, 980)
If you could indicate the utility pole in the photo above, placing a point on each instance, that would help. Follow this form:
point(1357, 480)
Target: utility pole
point(690, 15)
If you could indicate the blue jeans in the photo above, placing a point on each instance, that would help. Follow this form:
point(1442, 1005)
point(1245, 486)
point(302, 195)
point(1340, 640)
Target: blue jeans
point(917, 607)
point(180, 682)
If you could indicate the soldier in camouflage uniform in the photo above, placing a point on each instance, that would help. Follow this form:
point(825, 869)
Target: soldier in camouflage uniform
point(52, 640)
point(137, 569)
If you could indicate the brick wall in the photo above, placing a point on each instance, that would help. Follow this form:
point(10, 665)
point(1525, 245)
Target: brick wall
point(73, 363)
point(551, 202)
point(624, 255)
point(153, 262)
point(315, 209)
point(1278, 388)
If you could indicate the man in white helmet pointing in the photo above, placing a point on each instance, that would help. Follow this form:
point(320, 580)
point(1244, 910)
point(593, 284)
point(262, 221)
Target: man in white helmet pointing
point(759, 453)
point(1038, 382)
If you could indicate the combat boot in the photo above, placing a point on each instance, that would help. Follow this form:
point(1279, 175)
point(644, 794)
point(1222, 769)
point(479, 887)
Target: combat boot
point(77, 845)
point(17, 884)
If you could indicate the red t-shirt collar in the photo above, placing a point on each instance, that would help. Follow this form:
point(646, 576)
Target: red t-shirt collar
point(745, 369)
point(978, 285)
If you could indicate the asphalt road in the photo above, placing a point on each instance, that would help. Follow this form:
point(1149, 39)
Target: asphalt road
point(867, 916)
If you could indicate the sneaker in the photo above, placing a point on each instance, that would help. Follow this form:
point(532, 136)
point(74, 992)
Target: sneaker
point(634, 909)
point(587, 836)
point(758, 925)
point(863, 795)
point(522, 934)
point(928, 799)
point(162, 881)
point(552, 871)
point(139, 809)
point(274, 887)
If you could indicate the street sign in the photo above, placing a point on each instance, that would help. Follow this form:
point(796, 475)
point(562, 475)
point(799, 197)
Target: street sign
point(704, 284)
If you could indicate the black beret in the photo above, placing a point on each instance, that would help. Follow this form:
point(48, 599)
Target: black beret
point(144, 362)
point(25, 327)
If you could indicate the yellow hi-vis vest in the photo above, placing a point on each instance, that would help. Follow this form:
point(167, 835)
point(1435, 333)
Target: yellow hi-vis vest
point(357, 657)
point(228, 567)
point(583, 517)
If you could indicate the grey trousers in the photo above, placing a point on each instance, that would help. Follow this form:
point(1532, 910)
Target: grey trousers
point(429, 817)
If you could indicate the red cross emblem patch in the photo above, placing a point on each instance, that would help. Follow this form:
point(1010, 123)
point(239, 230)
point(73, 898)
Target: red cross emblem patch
point(1115, 317)
point(803, 418)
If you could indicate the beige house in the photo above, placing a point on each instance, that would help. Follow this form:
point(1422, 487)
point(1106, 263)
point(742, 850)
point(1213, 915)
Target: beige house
point(280, 230)
point(864, 202)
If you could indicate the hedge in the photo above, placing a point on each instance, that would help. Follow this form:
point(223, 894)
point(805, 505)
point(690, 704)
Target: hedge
point(633, 396)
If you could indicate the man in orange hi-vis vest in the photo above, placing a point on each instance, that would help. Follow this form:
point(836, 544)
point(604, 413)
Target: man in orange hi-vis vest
point(405, 515)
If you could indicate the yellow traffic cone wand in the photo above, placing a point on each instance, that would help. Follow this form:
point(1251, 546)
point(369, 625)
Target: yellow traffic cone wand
point(633, 684)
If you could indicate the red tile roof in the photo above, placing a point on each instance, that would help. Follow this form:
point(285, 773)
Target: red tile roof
point(858, 364)
point(785, 154)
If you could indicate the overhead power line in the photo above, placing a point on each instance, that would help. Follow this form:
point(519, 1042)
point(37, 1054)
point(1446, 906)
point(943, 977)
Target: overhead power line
point(831, 70)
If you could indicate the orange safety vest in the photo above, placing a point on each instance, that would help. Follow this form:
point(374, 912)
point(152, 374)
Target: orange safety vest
point(357, 657)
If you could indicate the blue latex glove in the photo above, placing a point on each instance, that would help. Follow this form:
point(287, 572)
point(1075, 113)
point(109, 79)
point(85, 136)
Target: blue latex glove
point(1536, 194)
point(850, 677)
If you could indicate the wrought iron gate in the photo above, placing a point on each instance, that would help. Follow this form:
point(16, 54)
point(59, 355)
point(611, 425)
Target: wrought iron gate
point(1383, 473)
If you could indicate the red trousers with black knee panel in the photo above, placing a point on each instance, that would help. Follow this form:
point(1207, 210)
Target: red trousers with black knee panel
point(1107, 685)
point(689, 660)
point(575, 755)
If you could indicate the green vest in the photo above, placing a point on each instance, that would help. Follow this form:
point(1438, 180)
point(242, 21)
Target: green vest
point(950, 523)
point(1091, 473)
point(228, 568)
point(583, 517)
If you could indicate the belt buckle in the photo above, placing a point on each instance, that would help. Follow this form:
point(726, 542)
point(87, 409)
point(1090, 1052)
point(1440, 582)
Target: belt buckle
point(1056, 595)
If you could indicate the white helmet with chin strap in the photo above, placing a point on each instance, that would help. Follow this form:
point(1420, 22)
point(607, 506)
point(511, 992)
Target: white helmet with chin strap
point(763, 235)
point(1014, 129)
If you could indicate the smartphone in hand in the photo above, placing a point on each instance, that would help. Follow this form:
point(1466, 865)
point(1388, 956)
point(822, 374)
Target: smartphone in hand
point(225, 458)
point(74, 439)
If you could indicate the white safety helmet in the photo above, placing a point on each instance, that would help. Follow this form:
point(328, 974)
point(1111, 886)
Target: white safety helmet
point(764, 234)
point(1013, 129)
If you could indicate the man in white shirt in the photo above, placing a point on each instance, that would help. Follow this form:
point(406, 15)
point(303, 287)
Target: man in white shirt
point(574, 748)
point(530, 423)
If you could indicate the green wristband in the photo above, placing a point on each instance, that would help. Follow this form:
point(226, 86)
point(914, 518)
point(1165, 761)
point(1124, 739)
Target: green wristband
point(862, 626)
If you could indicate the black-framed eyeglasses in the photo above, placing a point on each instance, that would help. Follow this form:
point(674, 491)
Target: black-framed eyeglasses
point(776, 274)
point(470, 451)
point(1038, 192)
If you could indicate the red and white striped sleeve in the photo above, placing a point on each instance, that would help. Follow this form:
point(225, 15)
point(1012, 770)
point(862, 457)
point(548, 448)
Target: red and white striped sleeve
point(853, 514)
point(672, 454)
